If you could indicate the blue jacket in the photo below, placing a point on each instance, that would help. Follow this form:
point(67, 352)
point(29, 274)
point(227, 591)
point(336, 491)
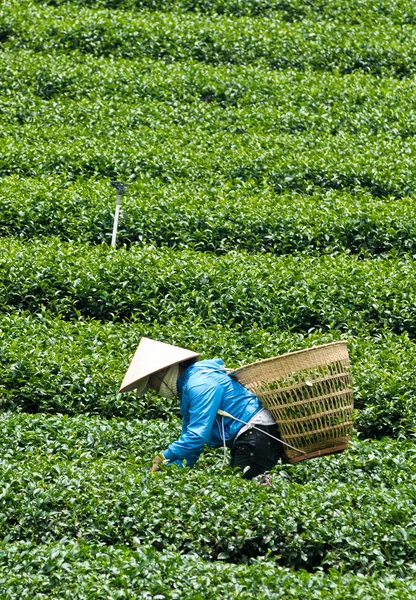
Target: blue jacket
point(204, 387)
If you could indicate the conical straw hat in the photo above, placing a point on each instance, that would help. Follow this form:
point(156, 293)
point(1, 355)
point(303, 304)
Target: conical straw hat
point(150, 357)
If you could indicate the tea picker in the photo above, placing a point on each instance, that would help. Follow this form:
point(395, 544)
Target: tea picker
point(216, 409)
point(294, 406)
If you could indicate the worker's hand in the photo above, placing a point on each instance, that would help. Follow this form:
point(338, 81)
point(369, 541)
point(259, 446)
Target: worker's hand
point(157, 461)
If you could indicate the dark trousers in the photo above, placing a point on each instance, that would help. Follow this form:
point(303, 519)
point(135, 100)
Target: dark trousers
point(256, 450)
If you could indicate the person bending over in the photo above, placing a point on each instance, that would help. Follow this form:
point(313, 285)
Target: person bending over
point(204, 388)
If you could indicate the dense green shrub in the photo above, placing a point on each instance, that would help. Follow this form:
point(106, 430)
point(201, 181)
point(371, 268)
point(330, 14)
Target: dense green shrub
point(25, 437)
point(82, 438)
point(80, 570)
point(400, 12)
point(298, 292)
point(365, 522)
point(227, 128)
point(288, 101)
point(53, 366)
point(196, 217)
point(382, 165)
point(216, 39)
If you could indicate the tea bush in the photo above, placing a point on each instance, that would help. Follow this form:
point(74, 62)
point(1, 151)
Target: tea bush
point(54, 570)
point(291, 100)
point(298, 292)
point(54, 366)
point(166, 215)
point(377, 162)
point(381, 165)
point(105, 494)
point(216, 39)
point(352, 133)
point(396, 12)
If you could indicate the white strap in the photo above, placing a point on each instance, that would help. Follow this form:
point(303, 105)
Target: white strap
point(226, 414)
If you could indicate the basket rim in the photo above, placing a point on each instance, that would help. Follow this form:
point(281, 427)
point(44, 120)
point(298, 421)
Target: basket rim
point(296, 352)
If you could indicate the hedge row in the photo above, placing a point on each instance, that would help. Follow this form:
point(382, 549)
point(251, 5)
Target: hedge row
point(209, 109)
point(207, 219)
point(299, 292)
point(313, 98)
point(364, 523)
point(78, 570)
point(280, 143)
point(52, 366)
point(27, 438)
point(399, 12)
point(382, 165)
point(215, 39)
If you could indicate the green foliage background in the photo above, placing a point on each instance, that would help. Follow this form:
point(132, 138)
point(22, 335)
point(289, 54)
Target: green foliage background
point(269, 148)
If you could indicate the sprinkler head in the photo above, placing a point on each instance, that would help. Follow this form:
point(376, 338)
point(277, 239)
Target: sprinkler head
point(120, 187)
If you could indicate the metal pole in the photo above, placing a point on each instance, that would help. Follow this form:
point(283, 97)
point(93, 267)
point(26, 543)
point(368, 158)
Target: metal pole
point(121, 188)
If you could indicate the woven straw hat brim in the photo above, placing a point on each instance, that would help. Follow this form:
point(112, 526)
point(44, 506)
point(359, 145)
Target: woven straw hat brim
point(150, 357)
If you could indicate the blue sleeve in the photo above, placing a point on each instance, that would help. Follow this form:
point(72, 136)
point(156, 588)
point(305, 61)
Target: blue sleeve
point(204, 401)
point(179, 463)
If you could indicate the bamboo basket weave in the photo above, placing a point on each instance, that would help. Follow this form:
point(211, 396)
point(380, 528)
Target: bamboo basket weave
point(309, 395)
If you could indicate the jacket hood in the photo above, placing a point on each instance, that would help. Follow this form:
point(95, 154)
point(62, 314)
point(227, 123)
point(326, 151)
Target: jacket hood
point(201, 366)
point(209, 364)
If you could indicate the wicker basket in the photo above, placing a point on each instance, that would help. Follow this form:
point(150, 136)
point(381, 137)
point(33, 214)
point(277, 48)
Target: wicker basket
point(309, 395)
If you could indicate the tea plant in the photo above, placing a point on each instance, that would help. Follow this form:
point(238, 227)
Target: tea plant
point(52, 569)
point(216, 39)
point(87, 360)
point(296, 292)
point(166, 215)
point(84, 478)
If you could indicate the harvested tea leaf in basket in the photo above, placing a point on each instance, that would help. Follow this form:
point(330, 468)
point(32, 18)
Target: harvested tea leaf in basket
point(309, 394)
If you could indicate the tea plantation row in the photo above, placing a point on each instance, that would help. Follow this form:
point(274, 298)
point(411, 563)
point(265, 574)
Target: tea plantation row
point(25, 438)
point(216, 39)
point(304, 143)
point(256, 220)
point(76, 570)
point(307, 98)
point(381, 164)
point(54, 366)
point(94, 484)
point(296, 292)
point(399, 11)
